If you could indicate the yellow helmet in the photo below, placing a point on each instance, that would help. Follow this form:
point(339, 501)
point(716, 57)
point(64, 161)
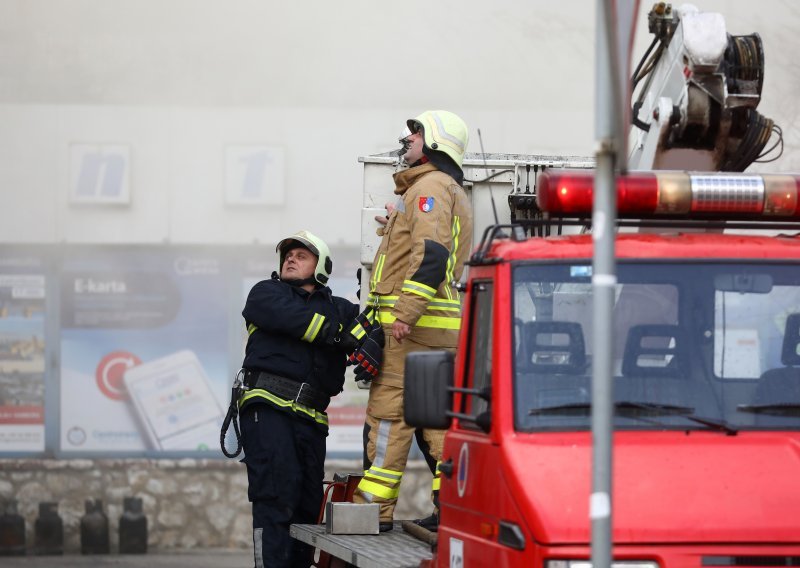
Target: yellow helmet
point(443, 132)
point(322, 272)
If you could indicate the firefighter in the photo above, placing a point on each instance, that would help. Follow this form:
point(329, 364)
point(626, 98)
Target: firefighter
point(300, 336)
point(424, 245)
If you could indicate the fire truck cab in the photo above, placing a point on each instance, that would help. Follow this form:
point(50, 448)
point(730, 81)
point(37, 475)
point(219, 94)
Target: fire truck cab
point(706, 383)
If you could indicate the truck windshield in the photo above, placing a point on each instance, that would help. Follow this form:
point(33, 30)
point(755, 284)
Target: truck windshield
point(696, 346)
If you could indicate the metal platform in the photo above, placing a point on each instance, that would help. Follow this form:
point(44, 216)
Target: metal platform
point(392, 549)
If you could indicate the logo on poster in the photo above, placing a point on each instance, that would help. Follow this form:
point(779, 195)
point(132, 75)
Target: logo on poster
point(110, 371)
point(76, 436)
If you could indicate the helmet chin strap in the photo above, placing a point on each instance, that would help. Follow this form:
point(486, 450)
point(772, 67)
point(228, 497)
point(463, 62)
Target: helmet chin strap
point(297, 282)
point(422, 160)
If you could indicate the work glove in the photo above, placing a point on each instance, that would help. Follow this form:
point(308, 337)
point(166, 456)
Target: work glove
point(330, 333)
point(350, 337)
point(363, 324)
point(369, 356)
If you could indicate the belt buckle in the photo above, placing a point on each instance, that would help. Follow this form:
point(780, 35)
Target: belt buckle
point(299, 392)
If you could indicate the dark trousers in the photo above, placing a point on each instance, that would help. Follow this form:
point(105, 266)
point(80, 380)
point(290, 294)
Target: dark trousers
point(285, 458)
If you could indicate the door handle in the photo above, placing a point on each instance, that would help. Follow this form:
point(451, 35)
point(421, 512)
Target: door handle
point(446, 468)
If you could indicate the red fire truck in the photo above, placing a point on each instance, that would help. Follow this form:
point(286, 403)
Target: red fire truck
point(706, 383)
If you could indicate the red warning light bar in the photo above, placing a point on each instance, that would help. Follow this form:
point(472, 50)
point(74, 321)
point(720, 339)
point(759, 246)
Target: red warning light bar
point(675, 194)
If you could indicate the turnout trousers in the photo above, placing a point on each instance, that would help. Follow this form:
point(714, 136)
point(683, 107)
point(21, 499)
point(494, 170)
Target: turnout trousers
point(387, 438)
point(285, 459)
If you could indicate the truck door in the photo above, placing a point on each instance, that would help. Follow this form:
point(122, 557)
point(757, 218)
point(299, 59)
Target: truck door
point(469, 495)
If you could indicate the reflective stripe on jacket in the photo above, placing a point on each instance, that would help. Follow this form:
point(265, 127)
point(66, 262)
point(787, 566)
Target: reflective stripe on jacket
point(424, 247)
point(284, 324)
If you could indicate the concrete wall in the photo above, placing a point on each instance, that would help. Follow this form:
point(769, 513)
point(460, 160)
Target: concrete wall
point(179, 84)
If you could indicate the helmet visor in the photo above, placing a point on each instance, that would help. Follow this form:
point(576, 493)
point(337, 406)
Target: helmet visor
point(404, 141)
point(293, 242)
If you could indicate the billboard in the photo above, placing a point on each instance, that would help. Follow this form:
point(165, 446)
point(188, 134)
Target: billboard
point(22, 351)
point(144, 350)
point(130, 350)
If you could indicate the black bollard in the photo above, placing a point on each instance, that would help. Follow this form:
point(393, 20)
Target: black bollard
point(48, 530)
point(132, 527)
point(94, 529)
point(12, 531)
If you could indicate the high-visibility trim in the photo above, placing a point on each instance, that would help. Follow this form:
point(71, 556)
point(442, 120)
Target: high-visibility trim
point(438, 322)
point(251, 329)
point(419, 289)
point(377, 271)
point(382, 442)
point(435, 304)
point(358, 331)
point(258, 546)
point(313, 328)
point(316, 415)
point(383, 301)
point(455, 141)
point(437, 478)
point(378, 490)
point(384, 473)
point(443, 304)
point(455, 231)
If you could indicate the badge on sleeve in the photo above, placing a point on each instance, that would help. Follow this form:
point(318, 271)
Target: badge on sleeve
point(425, 204)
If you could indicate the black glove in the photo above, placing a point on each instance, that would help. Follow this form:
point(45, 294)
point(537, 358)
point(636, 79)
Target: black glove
point(363, 324)
point(350, 337)
point(330, 333)
point(369, 356)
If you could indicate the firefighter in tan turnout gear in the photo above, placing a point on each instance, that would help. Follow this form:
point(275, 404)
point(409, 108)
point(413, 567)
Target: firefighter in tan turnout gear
point(425, 243)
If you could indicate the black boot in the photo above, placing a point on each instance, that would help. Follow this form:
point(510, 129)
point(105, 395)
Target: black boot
point(385, 526)
point(430, 522)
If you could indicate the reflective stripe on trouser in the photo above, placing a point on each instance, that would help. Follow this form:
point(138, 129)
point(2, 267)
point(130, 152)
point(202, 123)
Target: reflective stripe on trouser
point(387, 450)
point(285, 459)
point(388, 436)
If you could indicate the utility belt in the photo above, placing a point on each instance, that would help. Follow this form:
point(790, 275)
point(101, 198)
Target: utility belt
point(289, 389)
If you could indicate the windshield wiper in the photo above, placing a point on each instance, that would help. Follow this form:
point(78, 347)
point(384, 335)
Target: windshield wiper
point(715, 424)
point(776, 408)
point(627, 407)
point(573, 408)
point(622, 408)
point(655, 408)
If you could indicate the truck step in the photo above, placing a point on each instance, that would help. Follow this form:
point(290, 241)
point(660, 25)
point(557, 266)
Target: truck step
point(393, 549)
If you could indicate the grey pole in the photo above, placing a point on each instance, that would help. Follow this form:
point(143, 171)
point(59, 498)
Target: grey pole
point(607, 125)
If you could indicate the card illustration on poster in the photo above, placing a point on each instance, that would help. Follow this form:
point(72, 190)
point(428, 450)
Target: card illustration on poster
point(174, 404)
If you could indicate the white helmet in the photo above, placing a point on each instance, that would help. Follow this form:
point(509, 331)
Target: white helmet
point(443, 132)
point(322, 272)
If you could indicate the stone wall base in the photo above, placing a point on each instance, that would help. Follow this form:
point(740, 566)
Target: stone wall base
point(189, 503)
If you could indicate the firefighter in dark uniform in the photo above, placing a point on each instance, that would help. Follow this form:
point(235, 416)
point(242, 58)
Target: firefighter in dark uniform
point(300, 336)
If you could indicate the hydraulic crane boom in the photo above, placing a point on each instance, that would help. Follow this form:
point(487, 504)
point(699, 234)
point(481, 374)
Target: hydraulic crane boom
point(695, 107)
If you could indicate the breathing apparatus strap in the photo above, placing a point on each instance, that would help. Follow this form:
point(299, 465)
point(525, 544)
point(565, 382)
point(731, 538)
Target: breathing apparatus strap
point(233, 416)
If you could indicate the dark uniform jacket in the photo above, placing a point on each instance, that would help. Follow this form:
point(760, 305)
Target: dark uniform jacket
point(285, 324)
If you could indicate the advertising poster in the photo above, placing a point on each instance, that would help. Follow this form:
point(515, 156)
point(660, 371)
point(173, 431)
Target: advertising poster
point(22, 352)
point(346, 412)
point(144, 341)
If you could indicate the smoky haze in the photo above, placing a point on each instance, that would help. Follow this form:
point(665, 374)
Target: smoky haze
point(191, 95)
point(137, 136)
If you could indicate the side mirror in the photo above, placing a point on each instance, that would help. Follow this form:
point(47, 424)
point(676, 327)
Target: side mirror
point(428, 396)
